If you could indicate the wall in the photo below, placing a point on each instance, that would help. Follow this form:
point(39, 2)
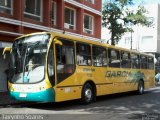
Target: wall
point(145, 39)
point(158, 30)
point(3, 77)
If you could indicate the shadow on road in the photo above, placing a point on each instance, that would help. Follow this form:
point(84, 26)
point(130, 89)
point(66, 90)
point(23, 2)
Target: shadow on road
point(128, 100)
point(130, 104)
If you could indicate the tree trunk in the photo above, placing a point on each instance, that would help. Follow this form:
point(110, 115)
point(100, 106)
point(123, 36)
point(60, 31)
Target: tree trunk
point(112, 39)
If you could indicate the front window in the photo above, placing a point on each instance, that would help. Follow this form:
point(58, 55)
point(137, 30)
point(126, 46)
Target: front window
point(28, 59)
point(88, 24)
point(6, 6)
point(51, 64)
point(33, 9)
point(69, 18)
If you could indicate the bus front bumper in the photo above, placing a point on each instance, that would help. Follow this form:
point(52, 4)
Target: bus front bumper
point(41, 96)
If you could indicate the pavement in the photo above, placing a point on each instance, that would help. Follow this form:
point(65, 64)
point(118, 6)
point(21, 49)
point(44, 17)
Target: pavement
point(6, 100)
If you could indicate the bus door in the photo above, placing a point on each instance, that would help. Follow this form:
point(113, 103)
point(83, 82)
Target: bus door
point(65, 63)
point(65, 69)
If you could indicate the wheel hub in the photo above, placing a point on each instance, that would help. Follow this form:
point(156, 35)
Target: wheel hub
point(88, 94)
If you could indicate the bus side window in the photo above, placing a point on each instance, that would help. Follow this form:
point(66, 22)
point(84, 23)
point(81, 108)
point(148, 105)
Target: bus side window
point(135, 61)
point(114, 58)
point(150, 63)
point(143, 60)
point(83, 54)
point(125, 59)
point(99, 56)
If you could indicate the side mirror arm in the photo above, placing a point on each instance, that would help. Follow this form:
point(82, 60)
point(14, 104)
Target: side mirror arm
point(58, 42)
point(6, 49)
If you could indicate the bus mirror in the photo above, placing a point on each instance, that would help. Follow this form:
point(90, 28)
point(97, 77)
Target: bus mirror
point(58, 42)
point(6, 49)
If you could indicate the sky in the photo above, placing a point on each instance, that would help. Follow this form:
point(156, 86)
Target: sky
point(137, 2)
point(146, 1)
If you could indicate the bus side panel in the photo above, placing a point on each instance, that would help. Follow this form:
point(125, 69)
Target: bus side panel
point(120, 79)
point(107, 81)
point(104, 89)
point(104, 85)
point(67, 93)
point(68, 89)
point(149, 78)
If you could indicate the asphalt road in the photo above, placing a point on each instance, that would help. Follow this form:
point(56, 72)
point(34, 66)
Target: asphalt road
point(126, 106)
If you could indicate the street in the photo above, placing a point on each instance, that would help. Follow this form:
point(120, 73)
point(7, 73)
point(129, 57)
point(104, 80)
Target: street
point(126, 106)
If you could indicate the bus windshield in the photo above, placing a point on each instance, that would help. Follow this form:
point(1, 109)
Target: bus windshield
point(28, 59)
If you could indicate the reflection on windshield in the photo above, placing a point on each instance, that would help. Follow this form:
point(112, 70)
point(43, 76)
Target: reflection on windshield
point(28, 59)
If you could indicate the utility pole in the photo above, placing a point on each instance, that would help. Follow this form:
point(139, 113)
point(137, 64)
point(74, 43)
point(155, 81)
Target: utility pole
point(131, 35)
point(131, 40)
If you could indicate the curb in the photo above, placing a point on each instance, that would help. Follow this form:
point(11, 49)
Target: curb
point(5, 99)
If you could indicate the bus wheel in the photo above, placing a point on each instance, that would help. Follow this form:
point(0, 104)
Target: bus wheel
point(140, 87)
point(87, 94)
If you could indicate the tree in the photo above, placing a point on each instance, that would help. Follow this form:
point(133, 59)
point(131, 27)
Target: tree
point(115, 15)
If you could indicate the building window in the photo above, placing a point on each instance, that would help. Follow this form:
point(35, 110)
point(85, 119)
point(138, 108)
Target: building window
point(53, 19)
point(33, 9)
point(69, 18)
point(90, 1)
point(6, 6)
point(88, 24)
point(127, 40)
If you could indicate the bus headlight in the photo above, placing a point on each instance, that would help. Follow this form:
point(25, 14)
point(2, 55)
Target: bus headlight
point(11, 88)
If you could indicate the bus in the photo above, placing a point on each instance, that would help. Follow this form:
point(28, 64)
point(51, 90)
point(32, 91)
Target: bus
point(55, 67)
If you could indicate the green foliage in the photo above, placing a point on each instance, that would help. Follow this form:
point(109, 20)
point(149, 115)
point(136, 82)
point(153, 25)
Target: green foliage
point(138, 17)
point(115, 15)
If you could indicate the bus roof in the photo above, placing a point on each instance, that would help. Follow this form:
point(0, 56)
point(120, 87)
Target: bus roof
point(55, 34)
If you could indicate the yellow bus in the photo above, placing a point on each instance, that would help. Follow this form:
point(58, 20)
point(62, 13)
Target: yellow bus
point(54, 67)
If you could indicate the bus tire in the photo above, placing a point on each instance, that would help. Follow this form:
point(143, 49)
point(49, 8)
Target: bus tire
point(140, 90)
point(87, 94)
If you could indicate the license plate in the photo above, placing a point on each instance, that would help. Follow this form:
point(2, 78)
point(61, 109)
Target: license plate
point(22, 95)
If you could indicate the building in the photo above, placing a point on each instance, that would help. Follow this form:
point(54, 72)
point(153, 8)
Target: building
point(80, 18)
point(145, 39)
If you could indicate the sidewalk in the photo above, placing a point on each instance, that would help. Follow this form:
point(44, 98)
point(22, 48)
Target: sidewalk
point(6, 100)
point(157, 84)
